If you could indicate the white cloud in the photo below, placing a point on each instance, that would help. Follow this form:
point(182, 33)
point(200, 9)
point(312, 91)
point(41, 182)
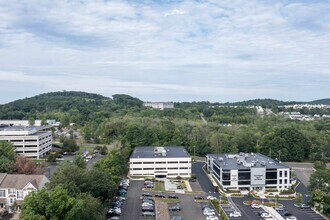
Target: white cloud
point(230, 45)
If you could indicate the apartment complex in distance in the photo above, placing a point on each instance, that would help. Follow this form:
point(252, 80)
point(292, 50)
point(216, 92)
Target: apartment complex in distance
point(248, 171)
point(29, 141)
point(169, 161)
point(159, 105)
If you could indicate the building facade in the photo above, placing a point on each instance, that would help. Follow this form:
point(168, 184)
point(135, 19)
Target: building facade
point(159, 105)
point(15, 187)
point(29, 141)
point(167, 162)
point(248, 171)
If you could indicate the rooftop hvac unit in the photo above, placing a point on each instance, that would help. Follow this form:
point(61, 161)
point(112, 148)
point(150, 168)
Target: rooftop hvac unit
point(164, 153)
point(263, 163)
point(220, 158)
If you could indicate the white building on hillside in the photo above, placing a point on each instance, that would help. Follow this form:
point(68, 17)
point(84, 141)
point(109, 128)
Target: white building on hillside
point(248, 171)
point(160, 162)
point(15, 187)
point(30, 141)
point(159, 105)
point(19, 122)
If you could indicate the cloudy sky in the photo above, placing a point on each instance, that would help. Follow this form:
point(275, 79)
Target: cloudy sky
point(216, 50)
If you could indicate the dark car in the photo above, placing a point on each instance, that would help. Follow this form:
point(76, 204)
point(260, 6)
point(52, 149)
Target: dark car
point(149, 186)
point(173, 196)
point(287, 214)
point(174, 208)
point(192, 180)
point(146, 195)
point(180, 187)
point(199, 197)
point(159, 195)
point(149, 200)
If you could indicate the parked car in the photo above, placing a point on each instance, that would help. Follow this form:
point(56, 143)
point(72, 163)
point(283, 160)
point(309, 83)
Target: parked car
point(173, 196)
point(192, 180)
point(265, 215)
point(148, 214)
point(261, 212)
point(255, 206)
point(174, 208)
point(149, 186)
point(304, 206)
point(146, 204)
point(148, 200)
point(148, 209)
point(176, 218)
point(146, 194)
point(287, 214)
point(159, 195)
point(212, 218)
point(115, 210)
point(211, 198)
point(208, 212)
point(291, 218)
point(199, 197)
point(235, 214)
point(114, 218)
point(279, 208)
point(148, 182)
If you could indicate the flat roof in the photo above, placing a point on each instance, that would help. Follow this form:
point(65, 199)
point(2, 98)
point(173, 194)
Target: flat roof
point(245, 161)
point(156, 152)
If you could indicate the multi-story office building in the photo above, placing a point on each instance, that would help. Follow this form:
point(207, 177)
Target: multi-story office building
point(160, 162)
point(30, 141)
point(248, 171)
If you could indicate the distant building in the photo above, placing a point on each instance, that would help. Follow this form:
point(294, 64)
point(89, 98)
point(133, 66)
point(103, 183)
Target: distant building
point(30, 141)
point(19, 122)
point(167, 161)
point(248, 171)
point(159, 105)
point(15, 187)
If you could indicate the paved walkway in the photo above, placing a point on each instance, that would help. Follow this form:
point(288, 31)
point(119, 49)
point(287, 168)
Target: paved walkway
point(189, 189)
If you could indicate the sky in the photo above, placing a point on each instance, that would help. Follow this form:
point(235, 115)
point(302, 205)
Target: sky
point(206, 50)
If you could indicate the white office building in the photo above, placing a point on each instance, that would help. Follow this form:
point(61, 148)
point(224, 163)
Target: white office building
point(248, 171)
point(29, 141)
point(169, 161)
point(159, 105)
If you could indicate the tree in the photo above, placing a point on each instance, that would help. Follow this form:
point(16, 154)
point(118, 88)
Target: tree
point(6, 165)
point(299, 198)
point(7, 150)
point(25, 165)
point(70, 145)
point(58, 205)
point(79, 162)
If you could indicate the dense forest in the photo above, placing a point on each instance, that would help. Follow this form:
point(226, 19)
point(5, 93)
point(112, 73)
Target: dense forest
point(202, 127)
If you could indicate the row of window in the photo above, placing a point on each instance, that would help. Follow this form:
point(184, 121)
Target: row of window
point(162, 162)
point(19, 194)
point(162, 168)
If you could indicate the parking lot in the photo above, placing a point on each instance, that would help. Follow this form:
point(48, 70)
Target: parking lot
point(190, 209)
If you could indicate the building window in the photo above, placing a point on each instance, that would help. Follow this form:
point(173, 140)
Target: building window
point(148, 168)
point(172, 168)
point(11, 191)
point(137, 162)
point(286, 173)
point(160, 168)
point(281, 173)
point(160, 162)
point(172, 162)
point(3, 193)
point(285, 181)
point(280, 181)
point(184, 168)
point(148, 162)
point(184, 161)
point(137, 168)
point(19, 195)
point(12, 200)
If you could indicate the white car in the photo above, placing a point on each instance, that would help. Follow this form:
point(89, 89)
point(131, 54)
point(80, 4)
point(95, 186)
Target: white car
point(235, 214)
point(256, 206)
point(291, 218)
point(212, 218)
point(146, 204)
point(265, 215)
point(209, 212)
point(211, 198)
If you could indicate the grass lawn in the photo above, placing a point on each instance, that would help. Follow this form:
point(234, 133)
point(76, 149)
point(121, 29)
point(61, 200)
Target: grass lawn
point(159, 186)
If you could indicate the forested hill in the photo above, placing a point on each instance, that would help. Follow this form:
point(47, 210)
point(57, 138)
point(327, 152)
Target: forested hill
point(268, 103)
point(58, 105)
point(321, 101)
